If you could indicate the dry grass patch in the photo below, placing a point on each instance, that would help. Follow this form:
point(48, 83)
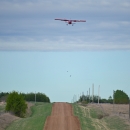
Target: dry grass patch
point(7, 118)
point(94, 117)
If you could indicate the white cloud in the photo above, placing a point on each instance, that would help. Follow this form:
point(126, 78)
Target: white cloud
point(30, 25)
point(108, 25)
point(125, 23)
point(62, 43)
point(63, 6)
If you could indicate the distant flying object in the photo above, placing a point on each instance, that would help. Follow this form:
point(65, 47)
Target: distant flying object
point(71, 21)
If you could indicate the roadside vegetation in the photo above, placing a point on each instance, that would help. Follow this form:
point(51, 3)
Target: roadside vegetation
point(120, 97)
point(94, 119)
point(16, 104)
point(2, 108)
point(40, 97)
point(36, 121)
point(32, 115)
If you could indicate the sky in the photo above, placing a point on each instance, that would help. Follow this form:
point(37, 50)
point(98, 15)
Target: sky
point(38, 53)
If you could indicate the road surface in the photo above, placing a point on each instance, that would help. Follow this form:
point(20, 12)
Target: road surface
point(62, 118)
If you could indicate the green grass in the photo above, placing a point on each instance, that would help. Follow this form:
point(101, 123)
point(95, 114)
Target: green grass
point(36, 121)
point(90, 120)
point(115, 123)
point(93, 113)
point(85, 122)
point(2, 108)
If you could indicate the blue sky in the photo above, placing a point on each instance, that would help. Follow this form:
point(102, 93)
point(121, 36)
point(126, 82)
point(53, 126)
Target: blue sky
point(36, 51)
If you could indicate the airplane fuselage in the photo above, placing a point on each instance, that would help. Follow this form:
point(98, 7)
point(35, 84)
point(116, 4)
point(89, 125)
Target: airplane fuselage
point(70, 22)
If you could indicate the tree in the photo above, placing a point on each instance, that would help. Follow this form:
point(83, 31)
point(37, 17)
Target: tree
point(110, 100)
point(40, 97)
point(3, 96)
point(103, 101)
point(16, 104)
point(121, 97)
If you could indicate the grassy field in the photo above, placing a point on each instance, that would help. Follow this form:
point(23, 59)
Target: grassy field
point(2, 108)
point(92, 119)
point(37, 119)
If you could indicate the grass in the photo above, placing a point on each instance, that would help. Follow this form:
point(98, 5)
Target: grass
point(85, 121)
point(93, 113)
point(89, 119)
point(36, 121)
point(116, 123)
point(2, 108)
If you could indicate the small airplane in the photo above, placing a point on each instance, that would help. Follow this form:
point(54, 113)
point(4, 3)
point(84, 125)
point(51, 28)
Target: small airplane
point(71, 21)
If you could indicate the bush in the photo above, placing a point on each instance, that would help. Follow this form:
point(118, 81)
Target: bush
point(121, 97)
point(16, 104)
point(100, 116)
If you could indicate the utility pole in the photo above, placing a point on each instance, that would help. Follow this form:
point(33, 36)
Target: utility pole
point(113, 99)
point(35, 96)
point(75, 99)
point(98, 93)
point(89, 95)
point(83, 95)
point(92, 93)
point(129, 107)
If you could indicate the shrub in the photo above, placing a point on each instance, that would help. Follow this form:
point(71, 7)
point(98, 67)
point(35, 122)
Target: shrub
point(16, 104)
point(100, 116)
point(121, 97)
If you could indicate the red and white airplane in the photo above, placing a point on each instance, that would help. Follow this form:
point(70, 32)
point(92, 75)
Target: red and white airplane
point(71, 21)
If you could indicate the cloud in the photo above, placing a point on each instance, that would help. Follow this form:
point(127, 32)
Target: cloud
point(40, 6)
point(30, 25)
point(63, 43)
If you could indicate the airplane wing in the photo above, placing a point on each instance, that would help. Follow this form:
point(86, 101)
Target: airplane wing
point(78, 20)
point(62, 19)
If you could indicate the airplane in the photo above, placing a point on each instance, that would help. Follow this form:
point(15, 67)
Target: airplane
point(71, 21)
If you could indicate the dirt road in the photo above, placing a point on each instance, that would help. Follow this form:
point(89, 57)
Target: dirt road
point(62, 118)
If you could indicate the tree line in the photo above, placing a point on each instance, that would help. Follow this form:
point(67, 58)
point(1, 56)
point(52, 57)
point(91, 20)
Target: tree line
point(16, 102)
point(119, 97)
point(40, 97)
point(94, 99)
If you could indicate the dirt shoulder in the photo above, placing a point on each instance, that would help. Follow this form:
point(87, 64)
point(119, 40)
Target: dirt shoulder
point(62, 118)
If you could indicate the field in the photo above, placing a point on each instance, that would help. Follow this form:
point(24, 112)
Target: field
point(96, 117)
point(91, 117)
point(121, 110)
point(35, 121)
